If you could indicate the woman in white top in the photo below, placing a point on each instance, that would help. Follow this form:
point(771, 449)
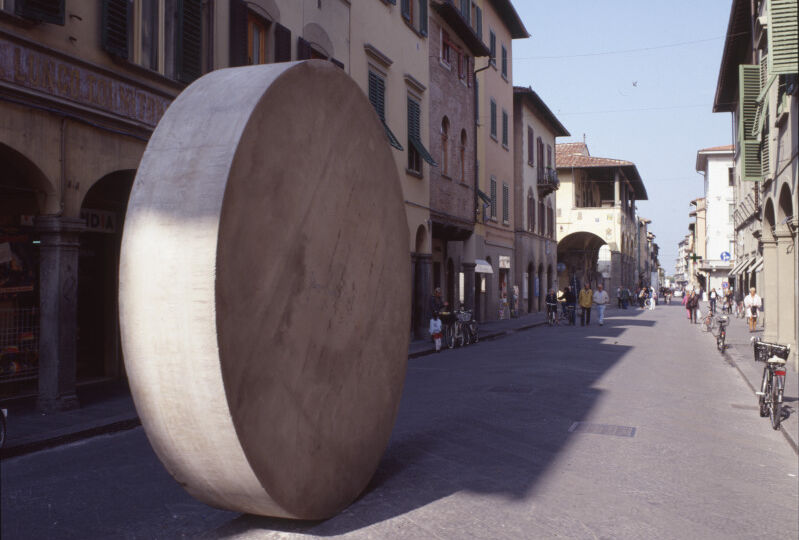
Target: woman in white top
point(752, 304)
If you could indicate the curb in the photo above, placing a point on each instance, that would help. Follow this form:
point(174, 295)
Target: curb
point(487, 337)
point(35, 446)
point(730, 360)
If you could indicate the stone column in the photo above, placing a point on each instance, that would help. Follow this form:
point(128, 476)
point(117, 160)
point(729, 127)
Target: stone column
point(424, 264)
point(769, 289)
point(786, 264)
point(58, 304)
point(468, 286)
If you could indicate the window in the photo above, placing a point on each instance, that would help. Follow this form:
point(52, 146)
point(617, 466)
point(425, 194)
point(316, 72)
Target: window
point(550, 220)
point(540, 157)
point(493, 195)
point(541, 217)
point(160, 35)
point(504, 62)
point(444, 145)
point(549, 156)
point(282, 43)
point(492, 47)
point(731, 176)
point(505, 203)
point(732, 212)
point(530, 146)
point(256, 40)
point(530, 212)
point(463, 68)
point(466, 11)
point(478, 22)
point(446, 48)
point(48, 11)
point(377, 97)
point(463, 155)
point(416, 150)
point(505, 128)
point(494, 119)
point(414, 12)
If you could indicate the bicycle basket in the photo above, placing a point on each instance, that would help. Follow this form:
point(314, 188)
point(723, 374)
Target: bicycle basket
point(765, 350)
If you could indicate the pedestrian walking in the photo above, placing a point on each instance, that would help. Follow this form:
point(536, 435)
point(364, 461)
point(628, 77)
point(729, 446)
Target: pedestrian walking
point(713, 299)
point(752, 303)
point(436, 302)
point(435, 330)
point(625, 297)
point(618, 296)
point(653, 298)
point(601, 300)
point(570, 300)
point(691, 305)
point(586, 301)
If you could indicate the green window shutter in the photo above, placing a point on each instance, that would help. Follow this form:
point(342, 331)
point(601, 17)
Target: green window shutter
point(750, 161)
point(238, 33)
point(116, 21)
point(493, 195)
point(282, 43)
point(478, 15)
point(765, 169)
point(783, 37)
point(493, 118)
point(505, 203)
point(423, 17)
point(188, 50)
point(749, 88)
point(48, 11)
point(377, 97)
point(405, 8)
point(414, 138)
point(504, 128)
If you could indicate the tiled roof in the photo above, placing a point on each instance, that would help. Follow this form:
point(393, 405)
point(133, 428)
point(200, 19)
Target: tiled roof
point(572, 148)
point(725, 148)
point(580, 161)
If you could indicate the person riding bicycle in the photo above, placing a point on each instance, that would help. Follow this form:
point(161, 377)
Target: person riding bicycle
point(570, 301)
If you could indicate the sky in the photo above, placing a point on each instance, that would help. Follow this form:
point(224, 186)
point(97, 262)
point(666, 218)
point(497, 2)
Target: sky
point(652, 107)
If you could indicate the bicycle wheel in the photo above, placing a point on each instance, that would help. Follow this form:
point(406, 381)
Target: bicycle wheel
point(721, 340)
point(449, 336)
point(775, 407)
point(467, 335)
point(765, 389)
point(473, 332)
point(460, 335)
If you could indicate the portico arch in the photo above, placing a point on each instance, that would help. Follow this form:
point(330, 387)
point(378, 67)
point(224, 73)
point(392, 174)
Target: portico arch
point(578, 252)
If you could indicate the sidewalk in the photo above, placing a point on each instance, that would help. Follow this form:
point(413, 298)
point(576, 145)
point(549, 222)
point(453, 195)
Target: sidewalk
point(109, 408)
point(740, 354)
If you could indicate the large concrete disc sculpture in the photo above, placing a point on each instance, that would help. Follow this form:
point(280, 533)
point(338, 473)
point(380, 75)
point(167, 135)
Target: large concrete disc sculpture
point(265, 290)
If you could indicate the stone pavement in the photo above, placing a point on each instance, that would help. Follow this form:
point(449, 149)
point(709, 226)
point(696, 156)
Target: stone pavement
point(108, 408)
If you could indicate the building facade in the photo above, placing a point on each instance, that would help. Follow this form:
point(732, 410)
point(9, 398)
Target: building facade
point(758, 84)
point(492, 245)
point(716, 167)
point(596, 208)
point(454, 46)
point(535, 185)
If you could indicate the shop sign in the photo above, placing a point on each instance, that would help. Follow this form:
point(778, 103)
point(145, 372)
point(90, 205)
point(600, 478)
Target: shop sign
point(51, 74)
point(100, 221)
point(504, 261)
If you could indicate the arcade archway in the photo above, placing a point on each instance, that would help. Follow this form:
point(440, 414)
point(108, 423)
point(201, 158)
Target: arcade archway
point(578, 254)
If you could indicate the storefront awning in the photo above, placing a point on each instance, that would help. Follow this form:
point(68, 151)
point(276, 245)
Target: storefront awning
point(738, 265)
point(745, 267)
point(482, 267)
point(758, 266)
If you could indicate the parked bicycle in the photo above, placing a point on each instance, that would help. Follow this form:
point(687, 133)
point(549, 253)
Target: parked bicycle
point(708, 322)
point(459, 328)
point(721, 335)
point(775, 356)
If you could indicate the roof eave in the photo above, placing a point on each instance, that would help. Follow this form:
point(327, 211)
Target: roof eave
point(452, 16)
point(730, 58)
point(557, 128)
point(511, 19)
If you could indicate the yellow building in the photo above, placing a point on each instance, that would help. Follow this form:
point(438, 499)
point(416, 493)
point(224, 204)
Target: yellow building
point(492, 244)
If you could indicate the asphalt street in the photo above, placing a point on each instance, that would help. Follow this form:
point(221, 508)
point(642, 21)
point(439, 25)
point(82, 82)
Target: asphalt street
point(636, 429)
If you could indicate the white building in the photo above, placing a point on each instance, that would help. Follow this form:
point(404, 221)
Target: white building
point(716, 166)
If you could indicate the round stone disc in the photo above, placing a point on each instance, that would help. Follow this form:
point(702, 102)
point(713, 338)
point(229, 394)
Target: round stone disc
point(265, 290)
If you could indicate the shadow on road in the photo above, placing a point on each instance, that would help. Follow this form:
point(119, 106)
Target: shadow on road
point(488, 419)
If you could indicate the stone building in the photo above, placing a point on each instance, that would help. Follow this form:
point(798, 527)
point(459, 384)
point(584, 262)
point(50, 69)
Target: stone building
point(758, 84)
point(596, 208)
point(82, 86)
point(454, 46)
point(491, 247)
point(535, 184)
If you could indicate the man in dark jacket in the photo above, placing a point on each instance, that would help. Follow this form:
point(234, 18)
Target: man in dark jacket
point(571, 301)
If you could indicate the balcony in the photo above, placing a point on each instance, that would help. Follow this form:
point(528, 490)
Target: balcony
point(547, 181)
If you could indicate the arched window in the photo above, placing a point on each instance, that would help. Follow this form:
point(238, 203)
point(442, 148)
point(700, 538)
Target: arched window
point(444, 145)
point(463, 155)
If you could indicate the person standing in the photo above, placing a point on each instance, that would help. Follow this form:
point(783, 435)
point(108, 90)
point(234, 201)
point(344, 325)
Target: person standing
point(586, 300)
point(713, 298)
point(625, 297)
point(691, 305)
point(752, 304)
point(435, 330)
point(618, 296)
point(601, 300)
point(570, 301)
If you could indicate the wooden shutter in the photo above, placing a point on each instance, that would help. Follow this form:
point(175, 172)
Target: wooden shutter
point(377, 95)
point(405, 8)
point(116, 21)
point(530, 145)
point(549, 156)
point(783, 37)
point(414, 114)
point(749, 87)
point(303, 49)
point(505, 203)
point(530, 213)
point(765, 164)
point(423, 17)
point(478, 15)
point(188, 49)
point(493, 196)
point(504, 128)
point(238, 33)
point(49, 11)
point(493, 118)
point(282, 43)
